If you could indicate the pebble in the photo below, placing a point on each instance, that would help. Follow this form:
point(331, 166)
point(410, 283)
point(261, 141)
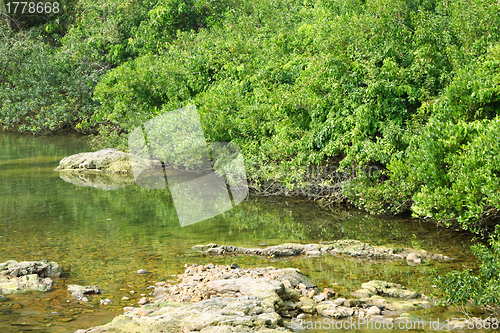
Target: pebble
point(301, 316)
point(143, 301)
point(127, 309)
point(318, 298)
point(235, 265)
point(67, 319)
point(124, 298)
point(327, 292)
point(302, 286)
point(142, 271)
point(106, 301)
point(373, 311)
point(339, 301)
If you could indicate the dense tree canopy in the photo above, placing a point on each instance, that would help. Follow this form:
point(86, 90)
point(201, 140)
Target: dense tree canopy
point(411, 86)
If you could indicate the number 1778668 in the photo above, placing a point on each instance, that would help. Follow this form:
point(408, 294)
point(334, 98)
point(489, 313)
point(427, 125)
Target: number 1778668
point(32, 7)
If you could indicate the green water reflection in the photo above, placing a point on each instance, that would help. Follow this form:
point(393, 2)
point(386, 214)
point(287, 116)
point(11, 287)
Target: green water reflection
point(103, 237)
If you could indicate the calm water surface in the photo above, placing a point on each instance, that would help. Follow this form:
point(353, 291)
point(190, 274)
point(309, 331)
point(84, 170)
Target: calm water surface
point(103, 237)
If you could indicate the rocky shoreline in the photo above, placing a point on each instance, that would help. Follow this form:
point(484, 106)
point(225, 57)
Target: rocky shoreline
point(228, 298)
point(218, 298)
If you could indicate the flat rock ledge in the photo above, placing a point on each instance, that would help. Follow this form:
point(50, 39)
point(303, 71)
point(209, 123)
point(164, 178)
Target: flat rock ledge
point(18, 277)
point(347, 247)
point(229, 299)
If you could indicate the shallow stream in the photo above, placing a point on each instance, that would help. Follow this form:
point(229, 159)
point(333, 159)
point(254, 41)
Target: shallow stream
point(102, 237)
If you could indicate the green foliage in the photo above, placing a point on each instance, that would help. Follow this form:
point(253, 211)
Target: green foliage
point(99, 37)
point(41, 90)
point(480, 288)
point(168, 17)
point(54, 17)
point(410, 86)
point(450, 170)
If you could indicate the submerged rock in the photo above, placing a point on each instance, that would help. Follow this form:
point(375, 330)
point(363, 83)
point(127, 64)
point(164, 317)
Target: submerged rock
point(348, 247)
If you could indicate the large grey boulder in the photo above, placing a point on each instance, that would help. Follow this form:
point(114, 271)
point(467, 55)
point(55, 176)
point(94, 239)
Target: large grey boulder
point(108, 160)
point(104, 160)
point(111, 169)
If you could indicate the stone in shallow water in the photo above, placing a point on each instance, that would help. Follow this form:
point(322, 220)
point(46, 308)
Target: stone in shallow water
point(17, 277)
point(142, 271)
point(84, 290)
point(383, 288)
point(77, 291)
point(105, 160)
point(106, 301)
point(42, 268)
point(17, 285)
point(345, 247)
point(373, 311)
